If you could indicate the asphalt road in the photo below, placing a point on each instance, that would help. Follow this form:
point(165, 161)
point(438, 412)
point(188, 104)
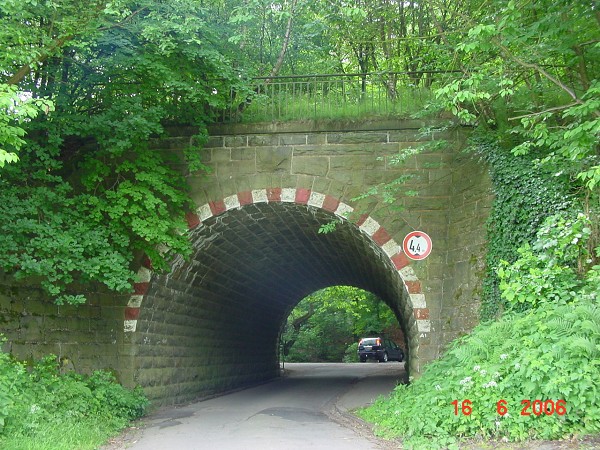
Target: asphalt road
point(308, 408)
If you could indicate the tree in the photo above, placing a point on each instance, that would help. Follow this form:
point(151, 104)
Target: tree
point(89, 192)
point(30, 38)
point(531, 71)
point(324, 324)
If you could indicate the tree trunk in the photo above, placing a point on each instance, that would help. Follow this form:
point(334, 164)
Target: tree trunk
point(277, 67)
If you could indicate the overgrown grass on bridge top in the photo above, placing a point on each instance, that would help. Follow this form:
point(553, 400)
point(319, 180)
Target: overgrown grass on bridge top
point(337, 96)
point(286, 107)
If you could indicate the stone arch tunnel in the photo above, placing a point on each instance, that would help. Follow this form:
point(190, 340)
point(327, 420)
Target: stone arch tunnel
point(212, 323)
point(219, 314)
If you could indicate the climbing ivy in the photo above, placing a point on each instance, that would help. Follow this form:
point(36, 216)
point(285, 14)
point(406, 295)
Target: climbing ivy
point(525, 194)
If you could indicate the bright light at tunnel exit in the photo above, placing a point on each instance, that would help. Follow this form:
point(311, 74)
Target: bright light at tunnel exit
point(326, 326)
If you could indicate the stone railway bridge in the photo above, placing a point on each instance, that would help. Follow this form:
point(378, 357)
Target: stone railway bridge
point(213, 323)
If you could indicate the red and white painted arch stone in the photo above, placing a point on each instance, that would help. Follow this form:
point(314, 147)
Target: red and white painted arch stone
point(132, 311)
point(366, 224)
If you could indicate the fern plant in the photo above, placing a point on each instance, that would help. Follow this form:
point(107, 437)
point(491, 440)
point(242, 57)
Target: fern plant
point(532, 374)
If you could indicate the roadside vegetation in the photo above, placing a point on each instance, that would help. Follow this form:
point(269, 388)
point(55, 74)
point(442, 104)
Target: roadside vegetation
point(84, 88)
point(532, 373)
point(42, 407)
point(529, 370)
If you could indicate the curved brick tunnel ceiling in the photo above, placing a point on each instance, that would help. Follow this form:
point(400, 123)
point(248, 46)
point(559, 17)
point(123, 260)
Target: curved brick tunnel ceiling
point(213, 323)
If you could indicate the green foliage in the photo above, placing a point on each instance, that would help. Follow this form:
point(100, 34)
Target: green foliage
point(463, 92)
point(370, 36)
point(529, 82)
point(574, 147)
point(545, 347)
point(84, 434)
point(376, 35)
point(549, 353)
point(323, 339)
point(66, 238)
point(524, 195)
point(351, 353)
point(553, 269)
point(388, 192)
point(328, 227)
point(334, 97)
point(326, 325)
point(37, 400)
point(194, 154)
point(16, 109)
point(531, 71)
point(89, 194)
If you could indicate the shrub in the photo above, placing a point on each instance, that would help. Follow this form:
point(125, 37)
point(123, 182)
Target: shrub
point(351, 354)
point(555, 269)
point(545, 350)
point(524, 195)
point(41, 398)
point(550, 353)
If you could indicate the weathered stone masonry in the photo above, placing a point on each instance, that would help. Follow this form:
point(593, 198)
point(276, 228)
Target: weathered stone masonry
point(365, 224)
point(280, 296)
point(213, 322)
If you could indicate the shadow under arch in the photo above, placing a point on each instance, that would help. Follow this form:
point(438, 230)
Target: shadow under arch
point(212, 323)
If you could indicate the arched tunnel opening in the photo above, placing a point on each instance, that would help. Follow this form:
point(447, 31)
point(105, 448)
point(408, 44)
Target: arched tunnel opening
point(327, 326)
point(213, 323)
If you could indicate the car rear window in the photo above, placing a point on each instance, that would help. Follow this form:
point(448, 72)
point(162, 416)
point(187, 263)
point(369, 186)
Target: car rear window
point(369, 341)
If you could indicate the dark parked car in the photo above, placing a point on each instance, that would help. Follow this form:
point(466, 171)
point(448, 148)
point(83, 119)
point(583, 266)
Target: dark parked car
point(379, 348)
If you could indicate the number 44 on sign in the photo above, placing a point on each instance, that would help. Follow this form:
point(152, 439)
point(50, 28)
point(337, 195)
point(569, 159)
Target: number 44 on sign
point(417, 245)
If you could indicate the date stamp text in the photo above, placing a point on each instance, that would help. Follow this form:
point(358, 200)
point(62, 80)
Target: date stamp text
point(528, 407)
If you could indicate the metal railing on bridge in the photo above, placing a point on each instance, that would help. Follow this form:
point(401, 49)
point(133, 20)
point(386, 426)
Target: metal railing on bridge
point(331, 96)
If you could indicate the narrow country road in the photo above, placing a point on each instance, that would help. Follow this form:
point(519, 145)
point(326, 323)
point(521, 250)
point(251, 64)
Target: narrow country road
point(308, 408)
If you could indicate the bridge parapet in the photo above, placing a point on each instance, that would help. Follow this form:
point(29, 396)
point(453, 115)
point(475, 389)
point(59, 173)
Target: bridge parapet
point(329, 96)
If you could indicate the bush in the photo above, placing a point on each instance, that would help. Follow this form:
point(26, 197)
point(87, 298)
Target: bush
point(546, 348)
point(555, 269)
point(351, 354)
point(524, 195)
point(550, 353)
point(35, 400)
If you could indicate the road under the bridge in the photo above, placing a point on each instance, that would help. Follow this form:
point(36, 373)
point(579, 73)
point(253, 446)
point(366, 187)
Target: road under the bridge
point(307, 408)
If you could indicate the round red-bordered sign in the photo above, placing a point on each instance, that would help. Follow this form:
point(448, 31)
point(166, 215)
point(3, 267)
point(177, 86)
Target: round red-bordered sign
point(417, 245)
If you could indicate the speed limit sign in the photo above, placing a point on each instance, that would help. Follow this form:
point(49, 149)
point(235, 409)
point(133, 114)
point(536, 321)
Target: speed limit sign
point(417, 245)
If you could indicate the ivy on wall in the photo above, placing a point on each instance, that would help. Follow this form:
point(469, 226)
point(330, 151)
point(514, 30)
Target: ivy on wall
point(525, 194)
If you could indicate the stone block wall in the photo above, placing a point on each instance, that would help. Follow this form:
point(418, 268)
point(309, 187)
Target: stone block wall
point(212, 323)
point(472, 199)
point(85, 338)
point(343, 160)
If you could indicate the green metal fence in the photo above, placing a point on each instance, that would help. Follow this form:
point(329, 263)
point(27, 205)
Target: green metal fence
point(299, 97)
